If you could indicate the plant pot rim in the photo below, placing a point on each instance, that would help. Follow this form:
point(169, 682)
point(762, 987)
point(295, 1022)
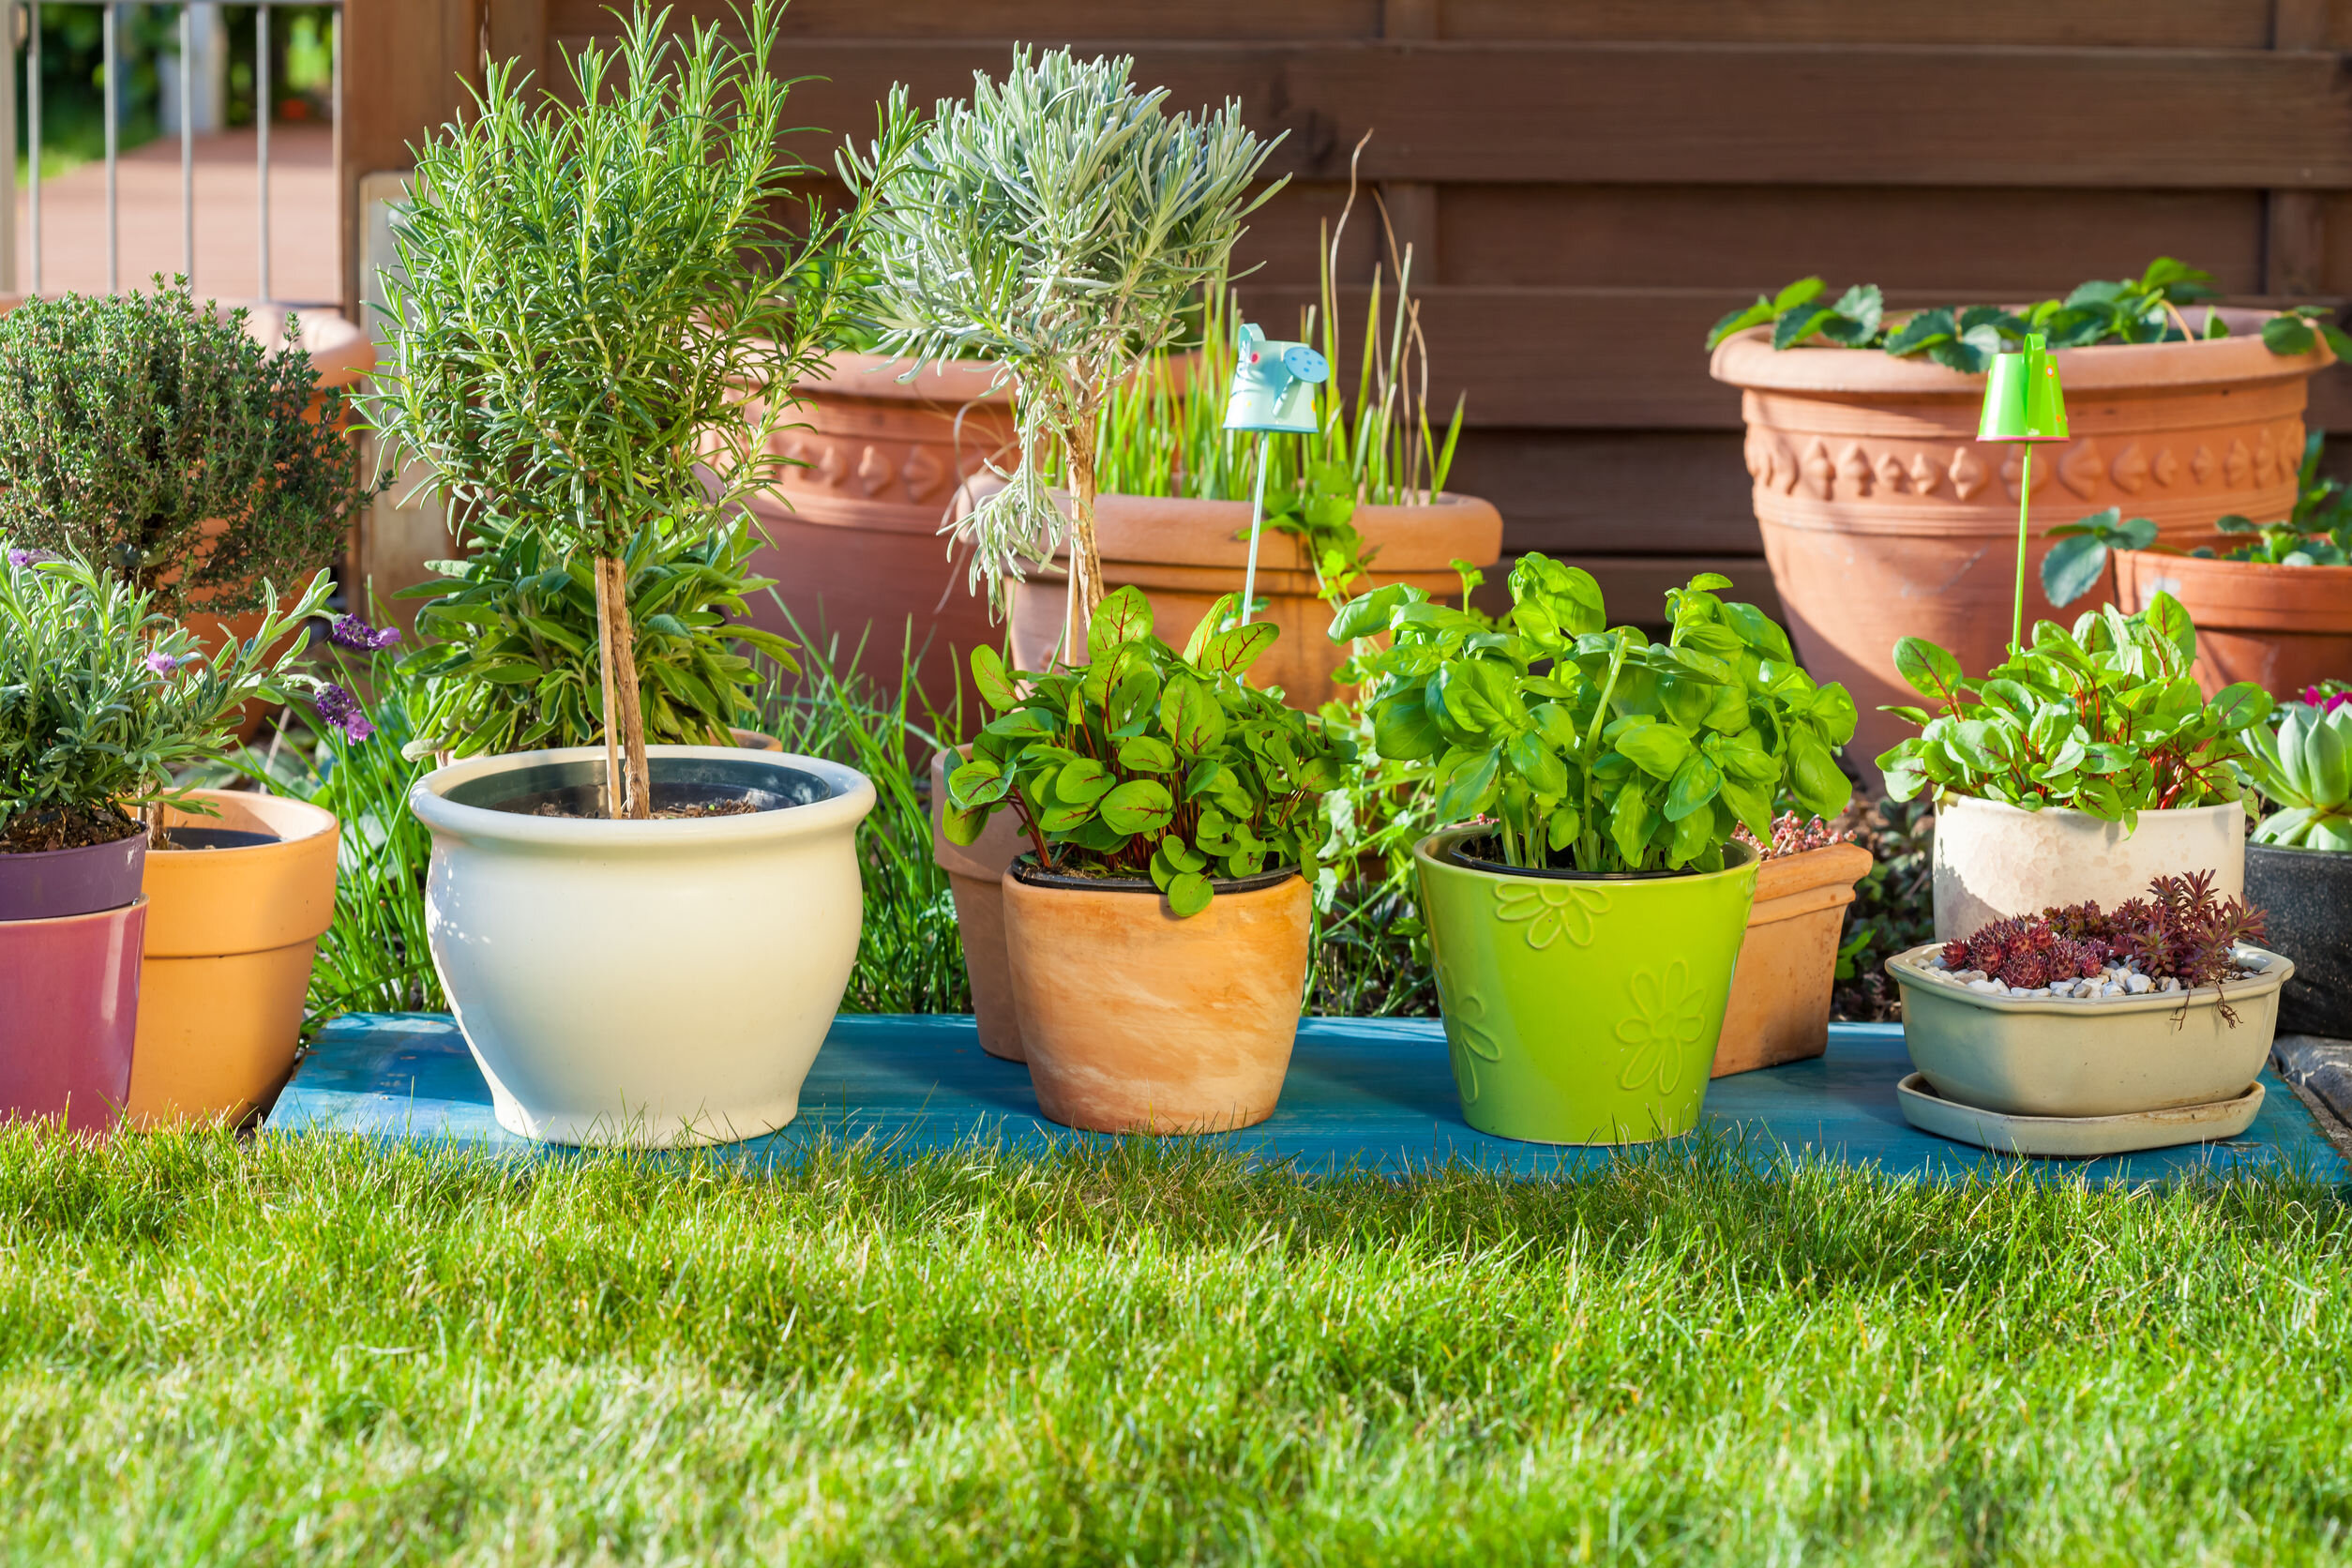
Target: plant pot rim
point(2254, 844)
point(1024, 871)
point(950, 381)
point(1910, 968)
point(851, 798)
point(25, 857)
point(1946, 799)
point(1748, 360)
point(1447, 853)
point(305, 820)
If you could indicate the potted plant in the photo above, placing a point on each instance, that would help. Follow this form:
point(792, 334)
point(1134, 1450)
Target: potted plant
point(1058, 225)
point(641, 943)
point(1360, 502)
point(2299, 864)
point(101, 697)
point(1587, 916)
point(1156, 926)
point(1883, 517)
point(2079, 768)
point(1779, 1010)
point(2276, 610)
point(2084, 1030)
point(161, 441)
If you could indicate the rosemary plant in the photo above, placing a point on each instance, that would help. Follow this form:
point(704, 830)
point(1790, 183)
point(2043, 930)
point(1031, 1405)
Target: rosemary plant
point(590, 298)
point(1057, 222)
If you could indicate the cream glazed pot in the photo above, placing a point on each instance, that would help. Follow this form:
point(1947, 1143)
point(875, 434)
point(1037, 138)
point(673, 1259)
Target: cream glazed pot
point(1994, 860)
point(653, 983)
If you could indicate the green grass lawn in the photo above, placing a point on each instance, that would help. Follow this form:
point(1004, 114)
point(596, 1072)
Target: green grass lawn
point(311, 1351)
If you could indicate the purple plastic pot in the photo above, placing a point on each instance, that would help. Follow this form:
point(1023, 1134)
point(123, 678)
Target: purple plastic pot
point(56, 884)
point(70, 1014)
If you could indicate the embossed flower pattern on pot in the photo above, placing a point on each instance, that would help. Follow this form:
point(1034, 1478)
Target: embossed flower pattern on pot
point(1550, 910)
point(1668, 1018)
point(1468, 1040)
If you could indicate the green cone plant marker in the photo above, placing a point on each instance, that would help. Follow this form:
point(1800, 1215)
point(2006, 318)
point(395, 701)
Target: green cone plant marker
point(1582, 1010)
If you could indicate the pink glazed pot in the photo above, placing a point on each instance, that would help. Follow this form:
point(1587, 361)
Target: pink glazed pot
point(71, 986)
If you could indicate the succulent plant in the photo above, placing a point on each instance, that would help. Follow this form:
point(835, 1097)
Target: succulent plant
point(2183, 931)
point(2303, 768)
point(1793, 836)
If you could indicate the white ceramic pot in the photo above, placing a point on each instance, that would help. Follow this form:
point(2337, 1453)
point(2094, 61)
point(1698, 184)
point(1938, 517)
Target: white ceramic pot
point(644, 982)
point(1994, 860)
point(2046, 1056)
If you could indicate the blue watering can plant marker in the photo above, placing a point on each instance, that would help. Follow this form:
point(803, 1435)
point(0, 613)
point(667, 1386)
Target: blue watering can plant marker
point(1273, 390)
point(2023, 404)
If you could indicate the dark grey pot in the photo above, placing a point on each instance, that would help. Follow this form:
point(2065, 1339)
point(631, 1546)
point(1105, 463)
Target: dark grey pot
point(2308, 895)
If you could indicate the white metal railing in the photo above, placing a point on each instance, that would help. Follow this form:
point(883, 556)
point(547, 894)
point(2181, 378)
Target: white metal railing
point(16, 15)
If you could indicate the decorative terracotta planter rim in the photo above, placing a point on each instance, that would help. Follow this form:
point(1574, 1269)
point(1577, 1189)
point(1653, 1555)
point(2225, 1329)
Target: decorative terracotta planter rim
point(1749, 360)
point(946, 382)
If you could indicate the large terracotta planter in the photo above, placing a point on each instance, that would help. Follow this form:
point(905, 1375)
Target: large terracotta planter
point(1883, 517)
point(1584, 1009)
point(1994, 860)
point(1135, 1020)
point(1184, 554)
point(2282, 628)
point(231, 934)
point(72, 923)
point(1780, 995)
point(975, 874)
point(855, 526)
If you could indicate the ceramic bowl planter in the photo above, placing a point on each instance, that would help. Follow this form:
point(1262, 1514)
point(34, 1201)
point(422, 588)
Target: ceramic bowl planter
point(975, 874)
point(648, 983)
point(1780, 999)
point(2053, 1057)
point(1135, 1020)
point(2280, 628)
point(234, 915)
point(1882, 517)
point(71, 923)
point(1994, 860)
point(1185, 553)
point(2307, 894)
point(853, 526)
point(1582, 1009)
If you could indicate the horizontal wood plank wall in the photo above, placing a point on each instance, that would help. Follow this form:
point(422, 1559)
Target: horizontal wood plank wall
point(1587, 185)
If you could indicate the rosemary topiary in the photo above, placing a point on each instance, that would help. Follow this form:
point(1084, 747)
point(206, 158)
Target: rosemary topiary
point(129, 422)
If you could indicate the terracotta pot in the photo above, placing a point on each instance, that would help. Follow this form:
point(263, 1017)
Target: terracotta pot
point(231, 934)
point(1780, 993)
point(71, 990)
point(974, 874)
point(1994, 860)
point(1883, 517)
point(751, 740)
point(854, 527)
point(1184, 554)
point(1138, 1022)
point(2282, 628)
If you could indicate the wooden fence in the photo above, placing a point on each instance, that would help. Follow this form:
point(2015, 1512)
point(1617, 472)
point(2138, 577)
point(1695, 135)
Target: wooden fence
point(1586, 184)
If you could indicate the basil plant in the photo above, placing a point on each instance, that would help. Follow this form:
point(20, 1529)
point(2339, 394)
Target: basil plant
point(2105, 718)
point(2304, 768)
point(1144, 761)
point(1595, 749)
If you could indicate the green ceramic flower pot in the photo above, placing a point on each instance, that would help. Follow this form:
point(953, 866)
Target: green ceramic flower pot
point(1584, 1010)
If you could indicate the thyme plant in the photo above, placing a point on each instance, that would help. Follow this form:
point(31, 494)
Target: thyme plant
point(591, 296)
point(155, 438)
point(1057, 222)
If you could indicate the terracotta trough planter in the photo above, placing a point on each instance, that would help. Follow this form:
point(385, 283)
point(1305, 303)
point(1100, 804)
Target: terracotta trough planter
point(2282, 628)
point(1135, 1020)
point(1184, 554)
point(1883, 517)
point(1780, 993)
point(229, 938)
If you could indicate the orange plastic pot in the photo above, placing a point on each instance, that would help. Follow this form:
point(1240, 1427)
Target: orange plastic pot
point(1780, 994)
point(1883, 517)
point(1184, 554)
point(229, 937)
point(2282, 628)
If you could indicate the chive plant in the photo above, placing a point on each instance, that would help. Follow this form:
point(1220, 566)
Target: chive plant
point(591, 293)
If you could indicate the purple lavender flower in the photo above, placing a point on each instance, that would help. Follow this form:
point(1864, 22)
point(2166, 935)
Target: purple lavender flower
point(21, 558)
point(165, 666)
point(342, 710)
point(350, 631)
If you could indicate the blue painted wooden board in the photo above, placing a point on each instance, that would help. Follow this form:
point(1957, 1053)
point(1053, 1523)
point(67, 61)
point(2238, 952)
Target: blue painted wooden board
point(1367, 1095)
